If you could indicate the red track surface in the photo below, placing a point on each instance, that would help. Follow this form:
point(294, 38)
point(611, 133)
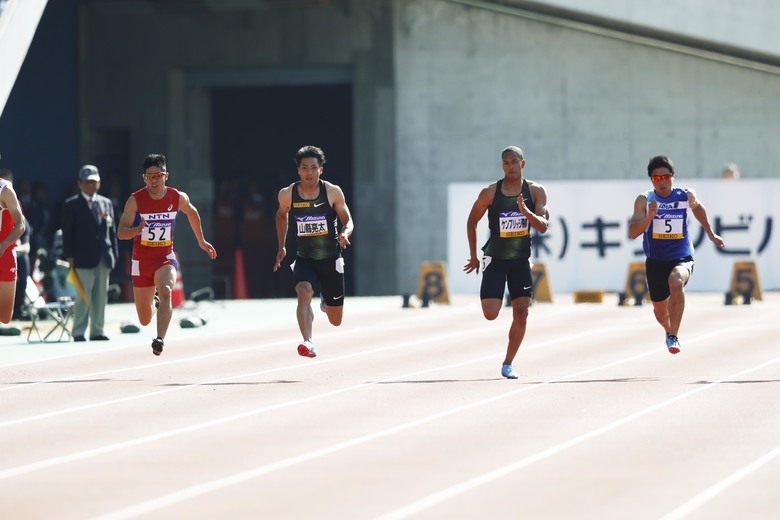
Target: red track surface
point(403, 414)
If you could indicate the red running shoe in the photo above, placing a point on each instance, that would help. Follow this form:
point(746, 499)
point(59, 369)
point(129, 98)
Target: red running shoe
point(306, 349)
point(672, 344)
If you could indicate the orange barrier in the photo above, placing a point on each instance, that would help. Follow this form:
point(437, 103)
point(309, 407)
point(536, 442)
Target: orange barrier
point(177, 296)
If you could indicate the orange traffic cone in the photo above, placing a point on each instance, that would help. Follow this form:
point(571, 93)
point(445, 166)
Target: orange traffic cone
point(239, 277)
point(177, 296)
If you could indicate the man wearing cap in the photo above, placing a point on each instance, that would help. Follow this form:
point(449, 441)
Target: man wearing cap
point(89, 245)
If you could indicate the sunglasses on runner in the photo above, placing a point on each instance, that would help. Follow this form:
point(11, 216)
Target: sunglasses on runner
point(657, 178)
point(154, 176)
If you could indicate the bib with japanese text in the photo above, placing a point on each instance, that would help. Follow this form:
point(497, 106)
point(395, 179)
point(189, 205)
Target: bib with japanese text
point(509, 231)
point(316, 225)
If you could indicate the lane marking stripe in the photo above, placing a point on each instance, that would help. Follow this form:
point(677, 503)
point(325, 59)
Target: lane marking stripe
point(711, 492)
point(208, 487)
point(55, 461)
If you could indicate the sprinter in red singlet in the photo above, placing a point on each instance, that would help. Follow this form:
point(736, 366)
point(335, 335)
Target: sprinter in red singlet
point(11, 228)
point(149, 219)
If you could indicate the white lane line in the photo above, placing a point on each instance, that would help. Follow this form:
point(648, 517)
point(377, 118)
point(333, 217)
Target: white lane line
point(208, 487)
point(98, 404)
point(140, 344)
point(711, 492)
point(242, 328)
point(458, 489)
point(20, 386)
point(199, 357)
point(56, 461)
point(483, 329)
point(21, 470)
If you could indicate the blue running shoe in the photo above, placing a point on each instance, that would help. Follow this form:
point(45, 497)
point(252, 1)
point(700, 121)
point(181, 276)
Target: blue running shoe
point(508, 372)
point(306, 349)
point(672, 344)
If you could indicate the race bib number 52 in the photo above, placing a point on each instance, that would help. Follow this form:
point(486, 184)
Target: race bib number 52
point(156, 234)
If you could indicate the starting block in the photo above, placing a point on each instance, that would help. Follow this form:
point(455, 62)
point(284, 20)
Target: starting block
point(636, 291)
point(129, 327)
point(432, 285)
point(588, 296)
point(541, 284)
point(744, 287)
point(192, 322)
point(10, 330)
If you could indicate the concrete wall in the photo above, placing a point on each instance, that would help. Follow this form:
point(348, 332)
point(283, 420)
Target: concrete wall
point(471, 80)
point(440, 87)
point(147, 70)
point(746, 24)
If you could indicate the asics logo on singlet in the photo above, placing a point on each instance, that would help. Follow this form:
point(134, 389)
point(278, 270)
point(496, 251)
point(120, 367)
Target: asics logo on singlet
point(170, 207)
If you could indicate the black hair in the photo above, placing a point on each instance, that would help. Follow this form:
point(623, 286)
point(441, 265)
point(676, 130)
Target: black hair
point(310, 151)
point(515, 150)
point(155, 159)
point(659, 161)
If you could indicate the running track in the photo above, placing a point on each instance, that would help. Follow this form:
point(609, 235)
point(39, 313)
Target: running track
point(402, 415)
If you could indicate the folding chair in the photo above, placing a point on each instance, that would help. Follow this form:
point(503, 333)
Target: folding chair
point(60, 311)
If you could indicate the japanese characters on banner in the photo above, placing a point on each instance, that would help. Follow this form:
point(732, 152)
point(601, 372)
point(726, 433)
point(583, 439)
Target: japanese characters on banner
point(587, 244)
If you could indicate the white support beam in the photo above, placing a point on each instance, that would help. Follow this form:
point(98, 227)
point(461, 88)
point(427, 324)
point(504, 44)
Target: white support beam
point(18, 22)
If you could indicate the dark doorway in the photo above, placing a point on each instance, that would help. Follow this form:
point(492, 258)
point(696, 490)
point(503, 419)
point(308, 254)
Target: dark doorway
point(255, 134)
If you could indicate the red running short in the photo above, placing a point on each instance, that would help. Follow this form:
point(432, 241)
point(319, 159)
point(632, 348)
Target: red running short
point(143, 270)
point(8, 266)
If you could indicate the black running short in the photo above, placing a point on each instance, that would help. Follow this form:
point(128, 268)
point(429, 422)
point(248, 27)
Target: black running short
point(658, 272)
point(327, 275)
point(497, 274)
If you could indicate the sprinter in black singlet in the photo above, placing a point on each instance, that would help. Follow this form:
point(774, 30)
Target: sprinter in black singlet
point(514, 206)
point(317, 206)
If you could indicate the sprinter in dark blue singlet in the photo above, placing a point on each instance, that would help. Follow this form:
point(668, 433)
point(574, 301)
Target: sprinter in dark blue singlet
point(317, 207)
point(661, 216)
point(514, 206)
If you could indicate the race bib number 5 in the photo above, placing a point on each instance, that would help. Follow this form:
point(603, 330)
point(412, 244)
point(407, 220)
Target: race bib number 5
point(667, 228)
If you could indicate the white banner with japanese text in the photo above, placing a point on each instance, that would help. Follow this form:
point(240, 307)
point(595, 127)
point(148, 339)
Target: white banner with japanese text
point(587, 245)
